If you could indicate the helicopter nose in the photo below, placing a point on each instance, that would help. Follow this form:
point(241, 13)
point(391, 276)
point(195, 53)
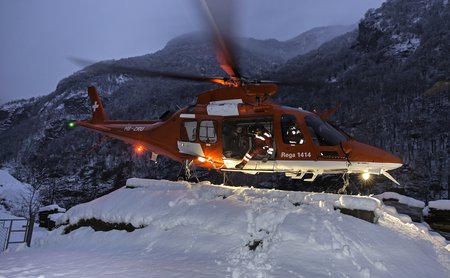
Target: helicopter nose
point(366, 153)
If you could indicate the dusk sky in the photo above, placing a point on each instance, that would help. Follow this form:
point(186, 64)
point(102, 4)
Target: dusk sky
point(37, 37)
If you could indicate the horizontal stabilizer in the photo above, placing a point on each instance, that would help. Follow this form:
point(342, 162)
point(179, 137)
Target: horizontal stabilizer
point(387, 175)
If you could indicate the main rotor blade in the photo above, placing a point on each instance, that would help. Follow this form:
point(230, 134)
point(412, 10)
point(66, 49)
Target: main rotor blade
point(113, 67)
point(80, 62)
point(305, 83)
point(108, 67)
point(219, 15)
point(157, 73)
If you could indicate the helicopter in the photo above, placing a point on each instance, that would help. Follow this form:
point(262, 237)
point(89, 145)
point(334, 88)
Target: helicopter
point(217, 131)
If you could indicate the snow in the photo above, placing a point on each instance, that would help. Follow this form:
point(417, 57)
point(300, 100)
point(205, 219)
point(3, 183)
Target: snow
point(356, 202)
point(6, 216)
point(51, 208)
point(401, 199)
point(333, 80)
point(15, 104)
point(74, 94)
point(11, 190)
point(204, 230)
point(55, 216)
point(440, 204)
point(407, 45)
point(121, 79)
point(437, 205)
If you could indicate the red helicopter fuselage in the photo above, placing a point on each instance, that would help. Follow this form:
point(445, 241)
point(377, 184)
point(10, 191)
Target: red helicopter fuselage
point(214, 133)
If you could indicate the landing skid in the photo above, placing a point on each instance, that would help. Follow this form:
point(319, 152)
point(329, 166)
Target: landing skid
point(346, 180)
point(187, 172)
point(226, 179)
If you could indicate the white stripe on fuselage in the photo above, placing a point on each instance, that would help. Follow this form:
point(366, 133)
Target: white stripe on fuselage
point(224, 107)
point(187, 116)
point(194, 149)
point(312, 166)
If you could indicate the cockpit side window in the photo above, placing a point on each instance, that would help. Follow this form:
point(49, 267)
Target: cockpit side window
point(290, 130)
point(325, 133)
point(189, 131)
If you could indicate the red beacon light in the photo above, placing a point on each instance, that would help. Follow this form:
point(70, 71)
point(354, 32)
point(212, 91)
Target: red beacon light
point(139, 149)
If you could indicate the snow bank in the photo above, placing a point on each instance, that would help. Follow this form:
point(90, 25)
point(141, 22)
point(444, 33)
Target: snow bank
point(130, 206)
point(357, 202)
point(201, 230)
point(440, 204)
point(9, 186)
point(11, 190)
point(55, 216)
point(401, 199)
point(52, 208)
point(7, 216)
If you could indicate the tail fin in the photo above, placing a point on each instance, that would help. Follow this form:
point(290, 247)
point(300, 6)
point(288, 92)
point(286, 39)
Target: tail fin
point(98, 113)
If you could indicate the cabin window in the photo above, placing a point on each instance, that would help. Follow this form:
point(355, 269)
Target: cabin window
point(323, 133)
point(237, 136)
point(188, 131)
point(207, 132)
point(291, 131)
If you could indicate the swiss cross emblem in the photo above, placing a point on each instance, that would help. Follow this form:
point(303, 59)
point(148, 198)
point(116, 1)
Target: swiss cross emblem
point(95, 106)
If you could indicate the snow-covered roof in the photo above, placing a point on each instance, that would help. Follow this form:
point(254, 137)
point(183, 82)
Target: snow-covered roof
point(358, 203)
point(401, 199)
point(55, 216)
point(130, 207)
point(52, 208)
point(440, 204)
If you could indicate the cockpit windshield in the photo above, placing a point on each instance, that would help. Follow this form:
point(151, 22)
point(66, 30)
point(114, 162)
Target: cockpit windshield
point(323, 133)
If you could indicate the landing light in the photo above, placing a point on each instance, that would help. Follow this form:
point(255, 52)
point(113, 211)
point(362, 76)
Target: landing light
point(201, 159)
point(366, 176)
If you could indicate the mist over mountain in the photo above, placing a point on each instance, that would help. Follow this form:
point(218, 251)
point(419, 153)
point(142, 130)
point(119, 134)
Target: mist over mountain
point(301, 44)
point(391, 76)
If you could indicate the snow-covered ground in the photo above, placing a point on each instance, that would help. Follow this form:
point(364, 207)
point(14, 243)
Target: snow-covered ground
point(202, 230)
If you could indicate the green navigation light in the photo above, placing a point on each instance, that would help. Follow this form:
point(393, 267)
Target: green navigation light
point(71, 125)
